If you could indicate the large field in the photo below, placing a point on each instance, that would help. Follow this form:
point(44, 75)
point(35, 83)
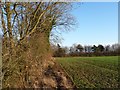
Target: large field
point(90, 72)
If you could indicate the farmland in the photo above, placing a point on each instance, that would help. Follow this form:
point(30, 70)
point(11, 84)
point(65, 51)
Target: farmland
point(91, 72)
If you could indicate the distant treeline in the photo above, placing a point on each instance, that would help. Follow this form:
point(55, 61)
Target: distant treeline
point(88, 50)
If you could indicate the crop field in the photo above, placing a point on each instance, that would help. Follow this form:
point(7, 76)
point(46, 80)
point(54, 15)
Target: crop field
point(92, 72)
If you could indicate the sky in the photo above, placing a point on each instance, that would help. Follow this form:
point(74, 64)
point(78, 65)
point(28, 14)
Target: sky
point(97, 24)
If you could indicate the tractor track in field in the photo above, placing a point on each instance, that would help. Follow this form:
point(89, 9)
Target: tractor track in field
point(100, 67)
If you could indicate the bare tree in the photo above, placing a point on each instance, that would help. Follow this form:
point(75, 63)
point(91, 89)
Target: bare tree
point(26, 30)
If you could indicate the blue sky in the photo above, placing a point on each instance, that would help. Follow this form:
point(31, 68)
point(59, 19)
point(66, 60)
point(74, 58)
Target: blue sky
point(97, 24)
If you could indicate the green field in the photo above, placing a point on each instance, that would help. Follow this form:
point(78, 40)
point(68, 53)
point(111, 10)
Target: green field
point(90, 72)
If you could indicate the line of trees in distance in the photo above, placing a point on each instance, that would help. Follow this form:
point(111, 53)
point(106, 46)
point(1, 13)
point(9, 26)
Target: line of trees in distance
point(86, 50)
